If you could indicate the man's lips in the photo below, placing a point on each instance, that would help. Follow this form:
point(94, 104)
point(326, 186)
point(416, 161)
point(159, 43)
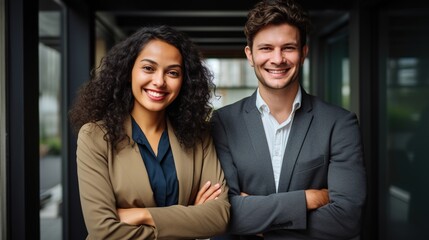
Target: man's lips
point(276, 71)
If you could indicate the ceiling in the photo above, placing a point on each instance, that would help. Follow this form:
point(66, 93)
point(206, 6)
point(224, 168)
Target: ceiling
point(216, 26)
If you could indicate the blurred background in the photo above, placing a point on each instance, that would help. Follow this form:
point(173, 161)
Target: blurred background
point(371, 57)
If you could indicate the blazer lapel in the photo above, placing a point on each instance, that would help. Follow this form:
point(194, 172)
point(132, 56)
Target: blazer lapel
point(253, 121)
point(301, 124)
point(184, 162)
point(131, 152)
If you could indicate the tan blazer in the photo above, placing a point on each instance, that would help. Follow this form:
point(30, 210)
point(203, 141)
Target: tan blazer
point(111, 179)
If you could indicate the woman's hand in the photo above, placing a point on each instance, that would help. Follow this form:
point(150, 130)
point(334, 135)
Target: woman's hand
point(135, 216)
point(208, 192)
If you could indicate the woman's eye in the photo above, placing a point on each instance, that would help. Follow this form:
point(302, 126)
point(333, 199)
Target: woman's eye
point(148, 68)
point(174, 73)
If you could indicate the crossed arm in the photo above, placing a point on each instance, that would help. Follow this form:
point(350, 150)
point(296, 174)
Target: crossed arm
point(142, 216)
point(102, 191)
point(332, 213)
point(314, 198)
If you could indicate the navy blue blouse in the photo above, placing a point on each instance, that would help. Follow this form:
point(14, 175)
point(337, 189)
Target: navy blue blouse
point(161, 168)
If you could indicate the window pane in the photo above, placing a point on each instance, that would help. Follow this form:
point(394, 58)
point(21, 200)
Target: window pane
point(407, 125)
point(337, 72)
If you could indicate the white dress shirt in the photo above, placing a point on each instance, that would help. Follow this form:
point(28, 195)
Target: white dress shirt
point(277, 133)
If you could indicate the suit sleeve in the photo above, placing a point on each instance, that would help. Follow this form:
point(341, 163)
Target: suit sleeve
point(96, 192)
point(197, 221)
point(256, 214)
point(285, 214)
point(341, 218)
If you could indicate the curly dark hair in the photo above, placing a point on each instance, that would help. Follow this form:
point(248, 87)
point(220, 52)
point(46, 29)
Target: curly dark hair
point(267, 12)
point(107, 97)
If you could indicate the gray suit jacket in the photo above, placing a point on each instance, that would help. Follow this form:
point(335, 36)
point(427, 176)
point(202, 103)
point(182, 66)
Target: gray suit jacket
point(323, 151)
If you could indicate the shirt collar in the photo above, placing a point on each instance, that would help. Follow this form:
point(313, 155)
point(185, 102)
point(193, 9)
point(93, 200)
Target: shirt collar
point(260, 103)
point(137, 134)
point(140, 138)
point(263, 107)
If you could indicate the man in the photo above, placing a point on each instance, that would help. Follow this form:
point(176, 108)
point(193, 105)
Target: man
point(293, 163)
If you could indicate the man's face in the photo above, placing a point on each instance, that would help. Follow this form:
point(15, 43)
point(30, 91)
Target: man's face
point(277, 56)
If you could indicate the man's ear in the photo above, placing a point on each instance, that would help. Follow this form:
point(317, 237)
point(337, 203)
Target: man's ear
point(248, 53)
point(304, 53)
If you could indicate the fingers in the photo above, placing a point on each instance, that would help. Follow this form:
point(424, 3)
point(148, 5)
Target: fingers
point(316, 198)
point(208, 192)
point(324, 197)
point(213, 192)
point(202, 191)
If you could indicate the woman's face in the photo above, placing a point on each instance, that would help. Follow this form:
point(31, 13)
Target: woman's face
point(156, 77)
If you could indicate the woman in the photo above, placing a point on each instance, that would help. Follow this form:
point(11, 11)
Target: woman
point(147, 167)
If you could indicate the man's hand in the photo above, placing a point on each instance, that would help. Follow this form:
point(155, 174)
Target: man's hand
point(208, 192)
point(316, 198)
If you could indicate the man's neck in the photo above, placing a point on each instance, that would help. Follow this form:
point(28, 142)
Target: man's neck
point(280, 101)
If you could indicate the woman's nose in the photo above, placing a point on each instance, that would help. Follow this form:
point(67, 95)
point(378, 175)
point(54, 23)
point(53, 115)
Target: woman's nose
point(158, 79)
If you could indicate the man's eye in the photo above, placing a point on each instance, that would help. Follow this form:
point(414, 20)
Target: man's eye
point(290, 49)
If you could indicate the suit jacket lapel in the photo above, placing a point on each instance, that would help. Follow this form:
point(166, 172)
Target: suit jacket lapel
point(253, 121)
point(184, 161)
point(301, 124)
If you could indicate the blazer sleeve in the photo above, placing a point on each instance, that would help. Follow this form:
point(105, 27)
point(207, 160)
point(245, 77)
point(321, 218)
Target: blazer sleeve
point(346, 180)
point(284, 214)
point(96, 192)
point(197, 221)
